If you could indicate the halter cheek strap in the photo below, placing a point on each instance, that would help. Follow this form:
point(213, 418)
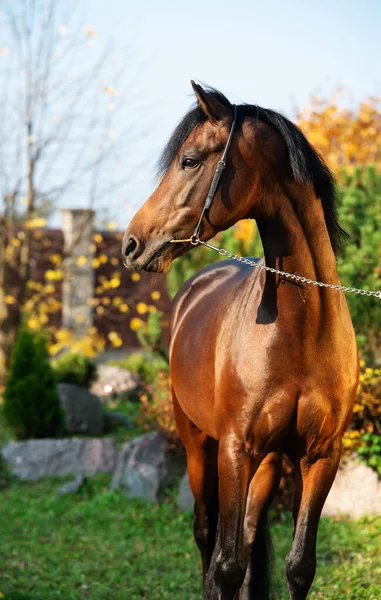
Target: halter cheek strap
point(194, 239)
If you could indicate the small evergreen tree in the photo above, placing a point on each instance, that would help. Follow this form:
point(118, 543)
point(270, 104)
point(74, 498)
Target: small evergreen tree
point(31, 403)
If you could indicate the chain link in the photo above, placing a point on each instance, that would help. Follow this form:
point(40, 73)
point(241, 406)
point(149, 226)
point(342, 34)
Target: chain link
point(246, 261)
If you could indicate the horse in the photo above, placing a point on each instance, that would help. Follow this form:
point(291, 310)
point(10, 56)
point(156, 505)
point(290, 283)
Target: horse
point(262, 365)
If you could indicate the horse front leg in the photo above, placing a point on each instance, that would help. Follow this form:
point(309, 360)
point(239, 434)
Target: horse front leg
point(235, 470)
point(314, 480)
point(201, 451)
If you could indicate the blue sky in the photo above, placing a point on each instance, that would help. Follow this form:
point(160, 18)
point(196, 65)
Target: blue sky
point(273, 53)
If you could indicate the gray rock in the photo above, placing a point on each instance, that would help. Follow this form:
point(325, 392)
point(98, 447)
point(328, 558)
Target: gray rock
point(145, 467)
point(35, 459)
point(185, 498)
point(71, 487)
point(356, 491)
point(114, 417)
point(114, 381)
point(83, 411)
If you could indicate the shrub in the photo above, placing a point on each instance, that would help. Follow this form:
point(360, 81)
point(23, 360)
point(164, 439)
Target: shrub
point(364, 433)
point(156, 408)
point(142, 364)
point(150, 337)
point(31, 403)
point(75, 368)
point(370, 450)
point(359, 200)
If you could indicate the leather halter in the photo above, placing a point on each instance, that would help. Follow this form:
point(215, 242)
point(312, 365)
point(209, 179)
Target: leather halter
point(194, 239)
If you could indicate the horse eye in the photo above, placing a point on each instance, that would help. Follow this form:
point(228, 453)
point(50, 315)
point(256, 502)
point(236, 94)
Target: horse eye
point(189, 163)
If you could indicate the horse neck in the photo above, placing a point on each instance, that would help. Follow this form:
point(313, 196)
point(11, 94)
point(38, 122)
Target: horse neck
point(295, 239)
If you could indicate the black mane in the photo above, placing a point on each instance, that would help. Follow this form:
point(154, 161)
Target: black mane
point(307, 166)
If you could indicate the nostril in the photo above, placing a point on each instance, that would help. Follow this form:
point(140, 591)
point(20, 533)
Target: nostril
point(130, 246)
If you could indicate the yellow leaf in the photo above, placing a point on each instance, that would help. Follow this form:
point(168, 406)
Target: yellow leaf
point(155, 295)
point(102, 259)
point(9, 299)
point(111, 225)
point(109, 90)
point(35, 223)
point(90, 32)
point(55, 259)
point(53, 275)
point(136, 324)
point(97, 238)
point(33, 323)
point(124, 308)
point(135, 277)
point(141, 308)
point(96, 263)
point(115, 282)
point(81, 260)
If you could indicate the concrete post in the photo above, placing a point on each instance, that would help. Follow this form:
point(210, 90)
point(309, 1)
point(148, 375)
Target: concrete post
point(78, 282)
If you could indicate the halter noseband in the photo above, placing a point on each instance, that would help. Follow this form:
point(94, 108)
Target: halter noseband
point(194, 239)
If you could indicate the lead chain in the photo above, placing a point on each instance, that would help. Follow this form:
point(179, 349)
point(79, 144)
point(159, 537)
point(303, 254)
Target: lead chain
point(292, 276)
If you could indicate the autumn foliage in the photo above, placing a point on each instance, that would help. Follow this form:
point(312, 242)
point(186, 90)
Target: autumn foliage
point(345, 137)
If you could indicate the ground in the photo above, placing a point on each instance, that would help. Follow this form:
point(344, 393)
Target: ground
point(101, 546)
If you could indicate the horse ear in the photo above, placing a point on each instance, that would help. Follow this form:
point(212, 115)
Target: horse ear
point(210, 105)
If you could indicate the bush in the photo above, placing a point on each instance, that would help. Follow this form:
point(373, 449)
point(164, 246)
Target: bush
point(142, 364)
point(364, 433)
point(75, 368)
point(157, 408)
point(370, 450)
point(359, 200)
point(31, 402)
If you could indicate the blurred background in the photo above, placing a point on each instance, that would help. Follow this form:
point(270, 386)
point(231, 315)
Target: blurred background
point(89, 94)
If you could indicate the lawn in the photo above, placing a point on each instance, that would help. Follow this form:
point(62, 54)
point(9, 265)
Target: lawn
point(101, 546)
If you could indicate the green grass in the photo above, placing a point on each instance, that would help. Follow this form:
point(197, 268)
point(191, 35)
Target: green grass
point(99, 545)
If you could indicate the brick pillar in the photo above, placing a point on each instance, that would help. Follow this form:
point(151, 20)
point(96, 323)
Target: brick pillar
point(78, 282)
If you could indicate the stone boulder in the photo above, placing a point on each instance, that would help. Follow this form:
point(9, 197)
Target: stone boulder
point(185, 498)
point(36, 459)
point(114, 381)
point(82, 410)
point(145, 467)
point(356, 491)
point(71, 487)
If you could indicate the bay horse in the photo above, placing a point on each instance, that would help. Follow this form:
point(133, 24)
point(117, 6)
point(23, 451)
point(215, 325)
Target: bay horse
point(261, 365)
